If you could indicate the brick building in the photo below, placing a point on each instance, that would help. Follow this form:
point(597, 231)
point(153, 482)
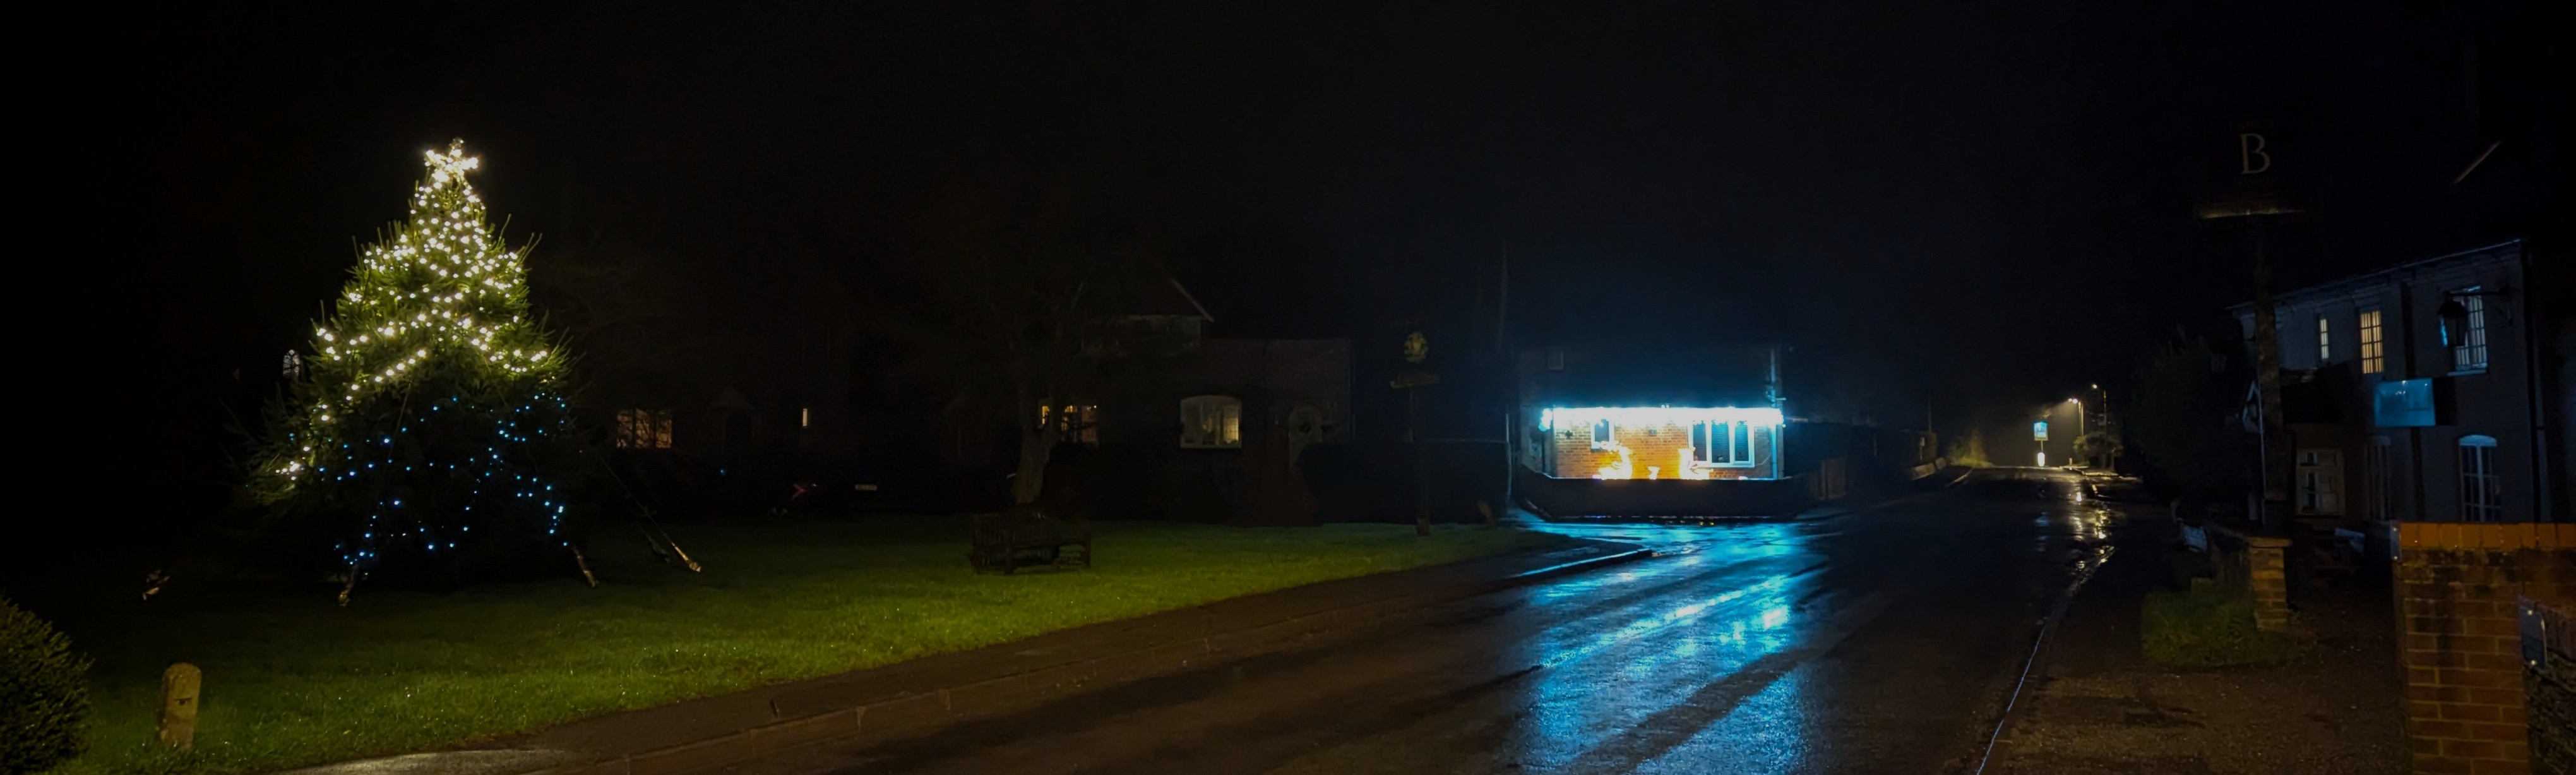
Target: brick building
point(2428, 403)
point(1166, 422)
point(2433, 391)
point(1612, 430)
point(1594, 413)
point(1209, 435)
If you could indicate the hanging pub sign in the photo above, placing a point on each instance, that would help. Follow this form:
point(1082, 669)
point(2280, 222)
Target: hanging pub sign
point(2039, 431)
point(1417, 349)
point(2247, 170)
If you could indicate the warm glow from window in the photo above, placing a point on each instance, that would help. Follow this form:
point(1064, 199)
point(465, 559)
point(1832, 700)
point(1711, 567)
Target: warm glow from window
point(1662, 442)
point(1077, 423)
point(2373, 357)
point(1211, 422)
point(805, 417)
point(644, 429)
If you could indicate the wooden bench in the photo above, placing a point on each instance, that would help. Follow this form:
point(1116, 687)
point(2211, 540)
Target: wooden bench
point(1027, 536)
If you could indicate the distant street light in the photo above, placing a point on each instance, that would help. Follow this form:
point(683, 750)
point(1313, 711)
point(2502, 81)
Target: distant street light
point(2079, 430)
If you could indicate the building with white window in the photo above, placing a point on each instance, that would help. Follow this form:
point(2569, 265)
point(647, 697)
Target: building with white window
point(1700, 431)
point(2430, 391)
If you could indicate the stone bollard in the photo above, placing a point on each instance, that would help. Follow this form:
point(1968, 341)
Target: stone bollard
point(179, 687)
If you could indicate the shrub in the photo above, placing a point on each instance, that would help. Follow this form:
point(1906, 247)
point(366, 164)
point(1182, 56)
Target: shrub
point(2190, 568)
point(44, 704)
point(2211, 626)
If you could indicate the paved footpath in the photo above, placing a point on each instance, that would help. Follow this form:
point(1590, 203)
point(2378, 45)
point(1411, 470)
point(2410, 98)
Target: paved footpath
point(2098, 707)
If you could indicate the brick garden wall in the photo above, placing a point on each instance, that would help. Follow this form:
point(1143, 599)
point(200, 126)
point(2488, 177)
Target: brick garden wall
point(2549, 685)
point(2459, 624)
point(2253, 563)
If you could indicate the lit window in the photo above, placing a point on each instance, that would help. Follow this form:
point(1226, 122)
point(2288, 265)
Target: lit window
point(1077, 423)
point(805, 417)
point(2325, 341)
point(293, 367)
point(644, 429)
point(2481, 489)
point(2373, 355)
point(2469, 346)
point(1211, 422)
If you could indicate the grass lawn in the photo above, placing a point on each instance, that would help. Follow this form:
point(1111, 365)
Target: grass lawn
point(292, 680)
point(2211, 626)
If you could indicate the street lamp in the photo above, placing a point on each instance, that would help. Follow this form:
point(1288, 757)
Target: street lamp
point(2079, 431)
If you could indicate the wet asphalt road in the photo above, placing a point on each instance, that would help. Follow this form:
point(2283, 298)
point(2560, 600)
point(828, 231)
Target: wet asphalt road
point(1879, 642)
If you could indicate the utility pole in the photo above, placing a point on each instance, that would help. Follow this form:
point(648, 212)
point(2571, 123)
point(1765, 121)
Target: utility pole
point(2267, 376)
point(1511, 375)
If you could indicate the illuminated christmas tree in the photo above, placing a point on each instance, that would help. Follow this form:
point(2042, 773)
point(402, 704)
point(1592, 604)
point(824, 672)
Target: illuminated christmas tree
point(429, 435)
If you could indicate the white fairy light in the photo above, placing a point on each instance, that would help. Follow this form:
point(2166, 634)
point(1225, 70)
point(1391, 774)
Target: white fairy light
point(440, 290)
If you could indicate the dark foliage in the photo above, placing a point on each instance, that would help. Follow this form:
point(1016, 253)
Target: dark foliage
point(44, 697)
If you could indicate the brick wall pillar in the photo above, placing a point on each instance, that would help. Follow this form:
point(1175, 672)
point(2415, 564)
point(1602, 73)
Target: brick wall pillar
point(2268, 582)
point(2458, 622)
point(2253, 563)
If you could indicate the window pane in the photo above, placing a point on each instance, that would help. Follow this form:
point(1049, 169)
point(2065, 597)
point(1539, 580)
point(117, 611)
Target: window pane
point(2325, 341)
point(2481, 488)
point(2373, 358)
point(2469, 350)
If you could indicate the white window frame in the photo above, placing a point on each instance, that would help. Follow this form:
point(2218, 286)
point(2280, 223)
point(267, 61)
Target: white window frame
point(2469, 355)
point(2325, 340)
point(2481, 486)
point(2320, 481)
point(1723, 444)
point(1211, 422)
point(2373, 340)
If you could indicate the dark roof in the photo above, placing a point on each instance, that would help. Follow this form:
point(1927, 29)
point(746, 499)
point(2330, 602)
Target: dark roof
point(2507, 249)
point(1639, 376)
point(1163, 298)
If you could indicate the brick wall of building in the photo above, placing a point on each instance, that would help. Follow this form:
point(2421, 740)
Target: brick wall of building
point(1658, 446)
point(2458, 623)
point(2549, 684)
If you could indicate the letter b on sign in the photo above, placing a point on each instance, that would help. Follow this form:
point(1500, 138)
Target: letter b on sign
point(2251, 158)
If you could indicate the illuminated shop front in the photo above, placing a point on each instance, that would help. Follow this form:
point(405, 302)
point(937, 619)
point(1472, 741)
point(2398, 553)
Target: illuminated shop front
point(1659, 442)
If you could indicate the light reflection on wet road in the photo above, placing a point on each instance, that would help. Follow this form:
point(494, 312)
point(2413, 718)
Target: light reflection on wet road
point(1879, 642)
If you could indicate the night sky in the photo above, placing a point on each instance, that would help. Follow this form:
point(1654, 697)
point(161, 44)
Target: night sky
point(1972, 206)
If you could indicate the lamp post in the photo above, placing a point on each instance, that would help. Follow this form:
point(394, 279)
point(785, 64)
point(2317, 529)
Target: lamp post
point(2078, 446)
